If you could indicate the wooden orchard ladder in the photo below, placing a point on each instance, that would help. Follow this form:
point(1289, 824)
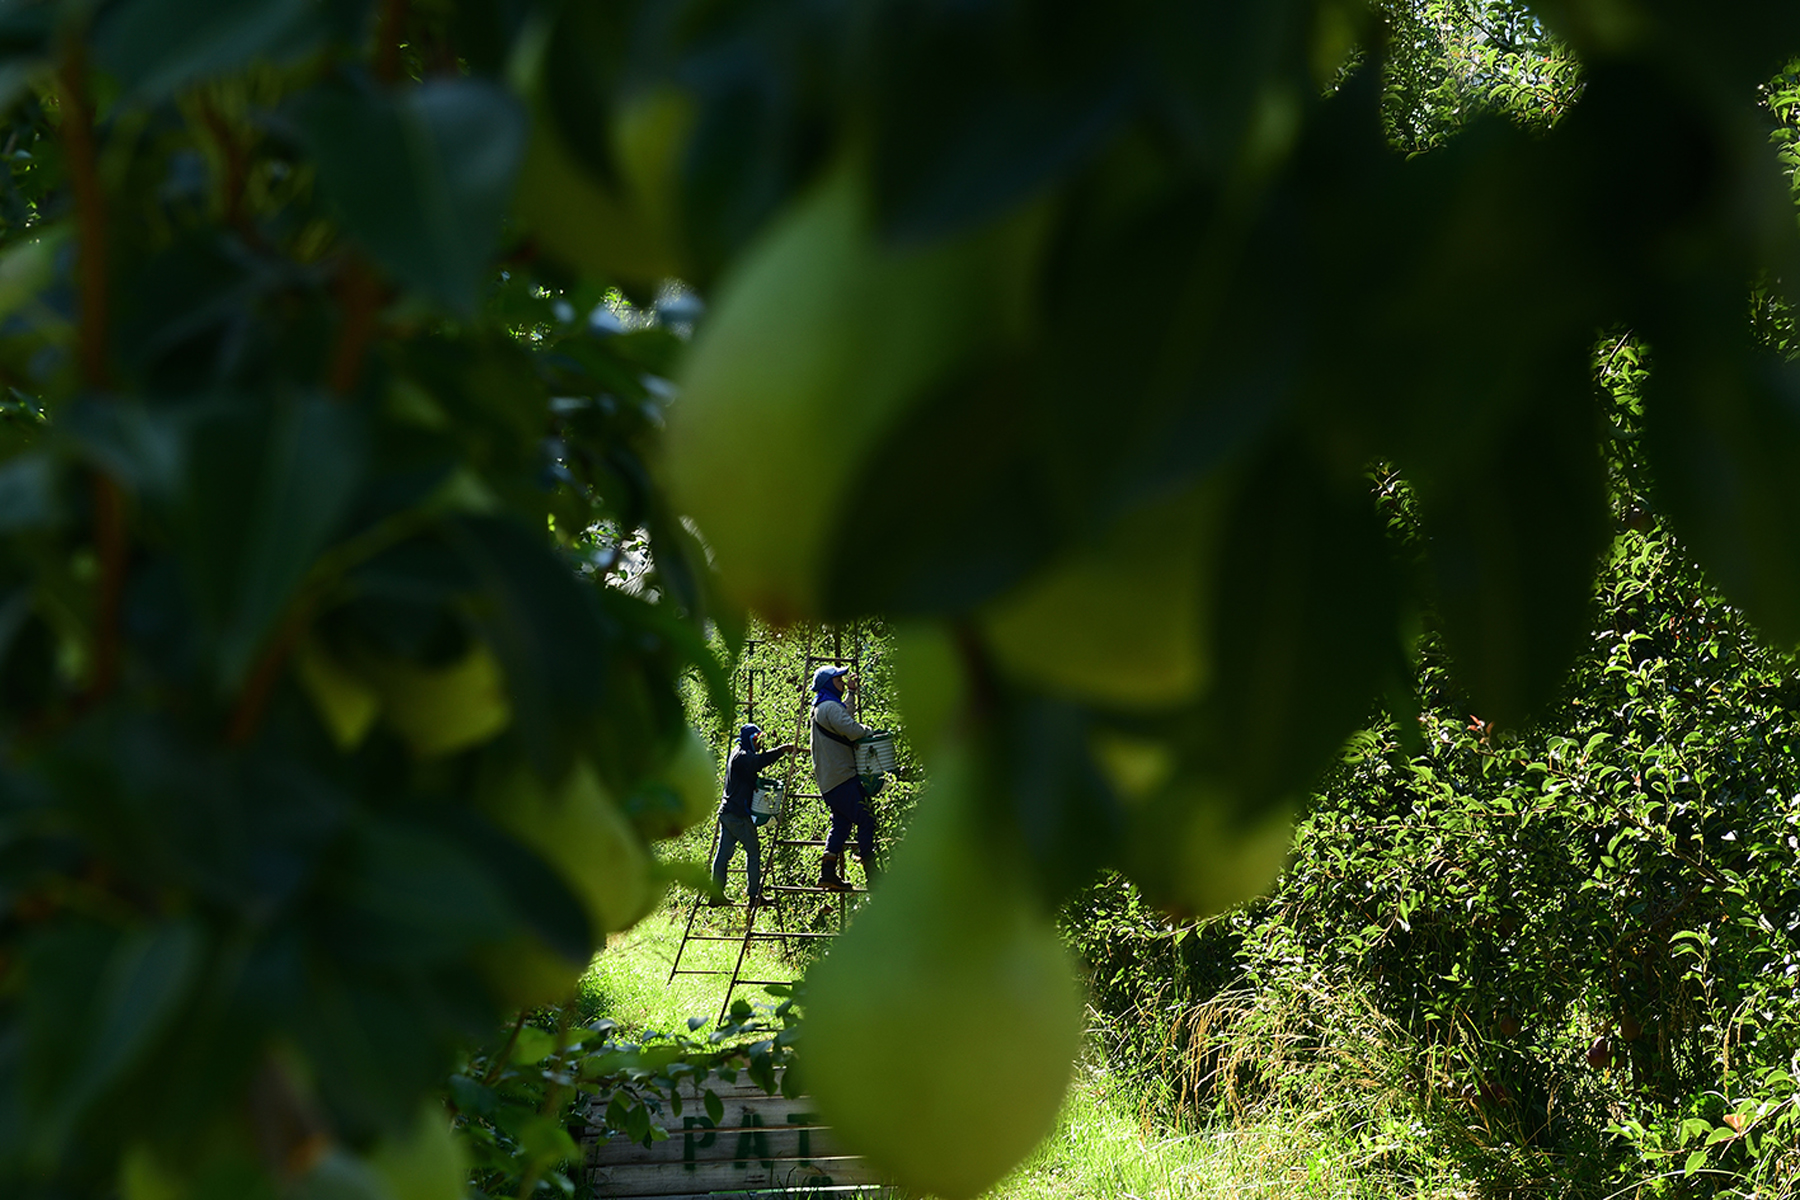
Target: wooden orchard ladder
point(773, 843)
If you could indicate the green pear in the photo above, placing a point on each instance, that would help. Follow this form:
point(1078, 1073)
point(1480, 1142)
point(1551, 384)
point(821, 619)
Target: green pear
point(693, 773)
point(1123, 621)
point(650, 133)
point(928, 683)
point(525, 973)
point(819, 340)
point(1195, 851)
point(578, 219)
point(345, 702)
point(1191, 847)
point(582, 834)
point(691, 776)
point(940, 1031)
point(440, 710)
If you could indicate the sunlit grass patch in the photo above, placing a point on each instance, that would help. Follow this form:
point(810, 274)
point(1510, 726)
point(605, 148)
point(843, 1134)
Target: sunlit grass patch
point(629, 980)
point(1105, 1144)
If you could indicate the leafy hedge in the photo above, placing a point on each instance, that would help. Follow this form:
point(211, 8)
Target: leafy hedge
point(1570, 951)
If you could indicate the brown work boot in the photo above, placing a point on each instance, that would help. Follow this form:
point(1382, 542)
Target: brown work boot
point(829, 879)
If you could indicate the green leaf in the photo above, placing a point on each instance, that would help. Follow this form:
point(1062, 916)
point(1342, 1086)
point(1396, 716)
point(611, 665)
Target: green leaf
point(156, 47)
point(637, 1124)
point(472, 1096)
point(960, 130)
point(1181, 374)
point(422, 178)
point(715, 1107)
point(1513, 539)
point(144, 449)
point(248, 538)
point(557, 642)
point(890, 554)
point(612, 1062)
point(28, 267)
point(28, 497)
point(546, 1140)
point(417, 896)
point(313, 462)
point(1306, 627)
point(121, 998)
point(532, 1046)
point(655, 1058)
point(539, 898)
point(341, 1176)
point(1723, 427)
point(1067, 819)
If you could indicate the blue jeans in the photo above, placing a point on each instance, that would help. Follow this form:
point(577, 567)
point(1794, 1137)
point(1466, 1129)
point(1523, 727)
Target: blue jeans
point(735, 831)
point(849, 808)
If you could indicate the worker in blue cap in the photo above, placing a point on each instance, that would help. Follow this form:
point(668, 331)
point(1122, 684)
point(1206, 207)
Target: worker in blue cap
point(736, 827)
point(834, 736)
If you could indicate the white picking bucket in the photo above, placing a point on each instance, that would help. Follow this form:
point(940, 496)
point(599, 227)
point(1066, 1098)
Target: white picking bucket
point(875, 754)
point(765, 801)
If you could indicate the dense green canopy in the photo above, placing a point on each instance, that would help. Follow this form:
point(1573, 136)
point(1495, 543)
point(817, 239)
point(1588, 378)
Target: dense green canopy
point(363, 499)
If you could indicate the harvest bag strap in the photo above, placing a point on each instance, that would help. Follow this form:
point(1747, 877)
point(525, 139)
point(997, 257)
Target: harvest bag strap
point(832, 734)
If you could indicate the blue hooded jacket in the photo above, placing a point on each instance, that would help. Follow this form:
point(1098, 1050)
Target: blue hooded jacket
point(741, 771)
point(822, 687)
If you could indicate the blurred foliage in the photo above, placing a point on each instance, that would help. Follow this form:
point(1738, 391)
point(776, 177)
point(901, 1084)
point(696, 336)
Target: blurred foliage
point(325, 533)
point(1562, 959)
point(523, 1106)
point(364, 501)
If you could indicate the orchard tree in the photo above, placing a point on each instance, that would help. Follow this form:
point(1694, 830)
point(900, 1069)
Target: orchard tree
point(1187, 290)
point(320, 753)
point(344, 378)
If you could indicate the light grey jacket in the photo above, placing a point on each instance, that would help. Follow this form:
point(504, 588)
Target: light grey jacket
point(833, 762)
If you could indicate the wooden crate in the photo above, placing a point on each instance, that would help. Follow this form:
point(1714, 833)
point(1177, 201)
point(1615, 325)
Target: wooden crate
point(764, 1146)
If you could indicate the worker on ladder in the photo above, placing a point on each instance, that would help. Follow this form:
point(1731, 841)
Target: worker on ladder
point(736, 825)
point(834, 736)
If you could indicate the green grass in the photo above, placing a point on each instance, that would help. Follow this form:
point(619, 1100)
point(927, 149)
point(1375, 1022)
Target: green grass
point(629, 980)
point(1106, 1142)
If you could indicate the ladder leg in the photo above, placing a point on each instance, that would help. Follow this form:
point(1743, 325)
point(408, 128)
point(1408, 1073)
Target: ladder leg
point(793, 769)
point(737, 972)
point(693, 911)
